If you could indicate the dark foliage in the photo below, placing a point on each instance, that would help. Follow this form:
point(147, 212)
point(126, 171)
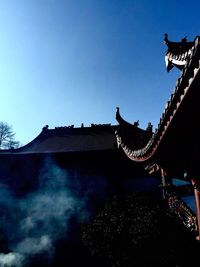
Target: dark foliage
point(136, 230)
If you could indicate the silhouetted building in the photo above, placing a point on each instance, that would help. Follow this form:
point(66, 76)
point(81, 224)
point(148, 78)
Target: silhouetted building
point(85, 153)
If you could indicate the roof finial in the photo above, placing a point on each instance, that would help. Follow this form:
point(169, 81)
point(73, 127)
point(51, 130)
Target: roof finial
point(45, 128)
point(166, 38)
point(117, 114)
point(120, 119)
point(184, 40)
point(136, 123)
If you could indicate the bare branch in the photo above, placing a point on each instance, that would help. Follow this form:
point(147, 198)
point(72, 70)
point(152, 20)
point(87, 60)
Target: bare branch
point(7, 136)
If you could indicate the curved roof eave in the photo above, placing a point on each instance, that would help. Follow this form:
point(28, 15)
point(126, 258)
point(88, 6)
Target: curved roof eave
point(183, 86)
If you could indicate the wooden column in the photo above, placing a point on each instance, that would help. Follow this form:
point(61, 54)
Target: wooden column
point(196, 185)
point(163, 176)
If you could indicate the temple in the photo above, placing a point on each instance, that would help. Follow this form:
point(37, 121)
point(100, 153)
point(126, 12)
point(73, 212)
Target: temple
point(173, 150)
point(89, 156)
point(94, 163)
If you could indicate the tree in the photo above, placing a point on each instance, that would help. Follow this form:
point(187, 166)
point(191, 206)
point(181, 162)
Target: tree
point(7, 136)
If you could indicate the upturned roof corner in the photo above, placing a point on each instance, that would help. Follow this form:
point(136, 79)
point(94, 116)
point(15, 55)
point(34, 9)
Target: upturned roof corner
point(177, 53)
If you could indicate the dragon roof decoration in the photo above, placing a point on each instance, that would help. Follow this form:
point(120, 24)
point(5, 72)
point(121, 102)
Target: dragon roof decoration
point(189, 56)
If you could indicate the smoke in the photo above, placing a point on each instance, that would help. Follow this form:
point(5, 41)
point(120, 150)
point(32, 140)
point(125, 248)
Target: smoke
point(31, 225)
point(11, 260)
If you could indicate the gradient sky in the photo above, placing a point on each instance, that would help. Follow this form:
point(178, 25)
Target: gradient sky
point(66, 62)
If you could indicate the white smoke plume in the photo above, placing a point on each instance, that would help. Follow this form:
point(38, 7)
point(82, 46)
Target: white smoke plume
point(11, 260)
point(33, 223)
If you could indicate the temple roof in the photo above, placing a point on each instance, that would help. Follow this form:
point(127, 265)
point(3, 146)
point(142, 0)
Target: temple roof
point(70, 139)
point(176, 140)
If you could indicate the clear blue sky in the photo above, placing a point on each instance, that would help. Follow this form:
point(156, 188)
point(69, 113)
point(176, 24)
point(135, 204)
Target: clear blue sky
point(66, 62)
